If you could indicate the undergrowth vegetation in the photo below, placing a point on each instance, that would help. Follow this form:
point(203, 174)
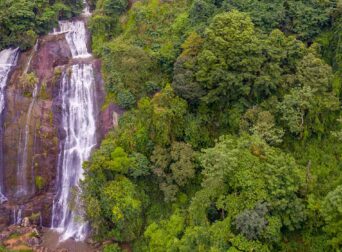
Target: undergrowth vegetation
point(232, 137)
point(21, 21)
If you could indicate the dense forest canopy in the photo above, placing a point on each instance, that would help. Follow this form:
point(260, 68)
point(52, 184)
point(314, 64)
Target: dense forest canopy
point(21, 21)
point(232, 135)
point(232, 138)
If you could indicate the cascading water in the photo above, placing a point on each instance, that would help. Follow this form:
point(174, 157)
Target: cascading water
point(35, 48)
point(78, 120)
point(86, 11)
point(79, 124)
point(17, 216)
point(76, 36)
point(23, 188)
point(22, 183)
point(8, 59)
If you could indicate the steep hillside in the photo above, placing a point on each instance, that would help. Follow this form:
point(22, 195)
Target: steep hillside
point(231, 141)
point(171, 125)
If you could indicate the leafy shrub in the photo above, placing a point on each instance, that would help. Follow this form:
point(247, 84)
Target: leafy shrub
point(112, 248)
point(22, 20)
point(125, 99)
point(39, 182)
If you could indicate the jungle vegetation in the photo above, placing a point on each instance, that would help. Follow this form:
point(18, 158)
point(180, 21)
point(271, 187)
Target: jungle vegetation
point(232, 135)
point(231, 138)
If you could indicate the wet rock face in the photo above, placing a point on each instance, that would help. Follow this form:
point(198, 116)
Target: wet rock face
point(42, 127)
point(53, 52)
point(5, 217)
point(30, 138)
point(110, 118)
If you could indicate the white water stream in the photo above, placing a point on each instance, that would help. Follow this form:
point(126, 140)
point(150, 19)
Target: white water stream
point(76, 36)
point(22, 183)
point(23, 187)
point(86, 11)
point(79, 125)
point(17, 216)
point(35, 48)
point(8, 59)
point(78, 120)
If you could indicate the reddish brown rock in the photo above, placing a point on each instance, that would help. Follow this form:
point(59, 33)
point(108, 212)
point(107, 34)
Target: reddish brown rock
point(18, 238)
point(110, 118)
point(42, 143)
point(53, 52)
point(43, 125)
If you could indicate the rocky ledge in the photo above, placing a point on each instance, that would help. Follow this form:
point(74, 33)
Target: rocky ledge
point(23, 237)
point(27, 236)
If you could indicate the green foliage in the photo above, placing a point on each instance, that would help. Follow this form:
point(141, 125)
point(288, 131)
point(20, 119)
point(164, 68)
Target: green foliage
point(113, 7)
point(112, 248)
point(338, 134)
point(332, 213)
point(99, 25)
point(174, 167)
point(140, 165)
point(200, 11)
point(39, 182)
point(235, 66)
point(104, 23)
point(27, 82)
point(242, 151)
point(127, 69)
point(22, 20)
point(123, 207)
point(251, 223)
point(233, 163)
point(156, 27)
point(163, 235)
point(304, 110)
point(331, 47)
point(303, 18)
point(261, 123)
point(3, 249)
point(125, 99)
point(161, 119)
point(119, 161)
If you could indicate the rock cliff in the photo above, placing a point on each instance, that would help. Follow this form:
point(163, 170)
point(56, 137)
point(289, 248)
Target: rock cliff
point(32, 128)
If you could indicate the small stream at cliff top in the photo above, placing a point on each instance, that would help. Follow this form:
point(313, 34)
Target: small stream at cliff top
point(77, 94)
point(8, 59)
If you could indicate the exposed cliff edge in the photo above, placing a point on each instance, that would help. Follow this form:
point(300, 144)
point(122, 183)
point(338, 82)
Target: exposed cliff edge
point(32, 124)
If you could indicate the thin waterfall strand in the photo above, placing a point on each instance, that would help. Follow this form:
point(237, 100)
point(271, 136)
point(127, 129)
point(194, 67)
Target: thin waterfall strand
point(8, 59)
point(23, 188)
point(22, 183)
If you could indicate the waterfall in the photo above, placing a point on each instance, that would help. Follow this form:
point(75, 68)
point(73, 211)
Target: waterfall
point(8, 59)
point(86, 10)
point(77, 94)
point(35, 48)
point(76, 36)
point(17, 216)
point(79, 124)
point(22, 183)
